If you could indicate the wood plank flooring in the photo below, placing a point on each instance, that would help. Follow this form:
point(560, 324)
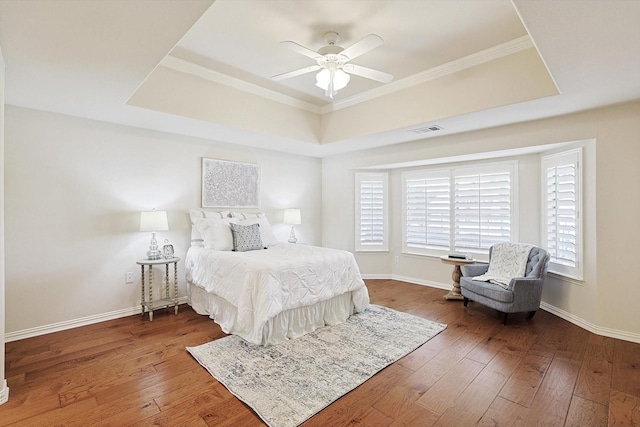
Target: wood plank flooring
point(129, 371)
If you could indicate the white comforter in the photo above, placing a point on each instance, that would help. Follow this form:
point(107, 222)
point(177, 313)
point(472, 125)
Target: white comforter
point(264, 283)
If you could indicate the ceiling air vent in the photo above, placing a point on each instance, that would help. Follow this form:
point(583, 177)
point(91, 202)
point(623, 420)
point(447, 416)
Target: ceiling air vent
point(432, 128)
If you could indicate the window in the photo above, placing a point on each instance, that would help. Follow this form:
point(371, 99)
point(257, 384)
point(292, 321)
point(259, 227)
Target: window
point(482, 208)
point(371, 211)
point(428, 210)
point(464, 209)
point(562, 203)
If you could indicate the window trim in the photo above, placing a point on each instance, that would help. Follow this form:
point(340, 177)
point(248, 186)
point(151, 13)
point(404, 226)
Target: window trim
point(576, 156)
point(372, 176)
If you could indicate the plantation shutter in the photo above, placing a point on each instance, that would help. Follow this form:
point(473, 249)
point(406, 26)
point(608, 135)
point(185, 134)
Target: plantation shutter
point(562, 210)
point(428, 213)
point(482, 209)
point(371, 221)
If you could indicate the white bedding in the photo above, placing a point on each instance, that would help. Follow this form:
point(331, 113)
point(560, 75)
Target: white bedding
point(265, 283)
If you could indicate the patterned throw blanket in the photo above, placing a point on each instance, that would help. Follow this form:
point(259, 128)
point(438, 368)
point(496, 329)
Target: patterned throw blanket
point(508, 260)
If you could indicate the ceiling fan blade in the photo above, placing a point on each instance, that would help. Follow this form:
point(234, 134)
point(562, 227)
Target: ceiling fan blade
point(300, 49)
point(368, 73)
point(368, 43)
point(296, 73)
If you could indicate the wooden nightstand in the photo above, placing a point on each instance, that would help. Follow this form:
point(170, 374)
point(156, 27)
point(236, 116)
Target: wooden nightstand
point(149, 304)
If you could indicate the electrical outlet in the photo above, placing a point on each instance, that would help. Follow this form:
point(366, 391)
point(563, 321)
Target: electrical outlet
point(128, 277)
point(397, 259)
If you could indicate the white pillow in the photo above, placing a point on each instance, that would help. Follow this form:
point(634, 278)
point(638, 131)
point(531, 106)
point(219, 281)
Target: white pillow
point(216, 214)
point(216, 233)
point(242, 215)
point(266, 234)
point(196, 236)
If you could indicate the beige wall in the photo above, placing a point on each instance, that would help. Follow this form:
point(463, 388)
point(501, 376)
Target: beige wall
point(605, 300)
point(514, 78)
point(179, 93)
point(4, 390)
point(74, 190)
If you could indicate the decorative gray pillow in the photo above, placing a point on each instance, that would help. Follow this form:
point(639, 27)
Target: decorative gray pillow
point(246, 237)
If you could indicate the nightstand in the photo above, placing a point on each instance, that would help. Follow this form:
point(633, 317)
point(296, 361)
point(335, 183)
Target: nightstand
point(149, 304)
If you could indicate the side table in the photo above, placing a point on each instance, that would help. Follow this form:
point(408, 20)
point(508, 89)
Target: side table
point(454, 293)
point(167, 301)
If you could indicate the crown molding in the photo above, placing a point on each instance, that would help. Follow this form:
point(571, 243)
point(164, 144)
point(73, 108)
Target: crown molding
point(227, 80)
point(495, 52)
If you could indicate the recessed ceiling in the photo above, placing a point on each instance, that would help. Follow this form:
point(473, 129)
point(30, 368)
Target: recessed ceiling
point(418, 35)
point(202, 68)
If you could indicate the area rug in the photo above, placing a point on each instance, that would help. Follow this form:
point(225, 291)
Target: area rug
point(287, 383)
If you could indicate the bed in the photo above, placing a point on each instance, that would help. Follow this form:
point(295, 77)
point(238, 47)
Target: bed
point(263, 290)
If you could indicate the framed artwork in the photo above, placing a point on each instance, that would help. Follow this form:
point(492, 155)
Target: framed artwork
point(228, 184)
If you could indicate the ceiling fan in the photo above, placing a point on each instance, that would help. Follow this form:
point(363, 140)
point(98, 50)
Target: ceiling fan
point(333, 63)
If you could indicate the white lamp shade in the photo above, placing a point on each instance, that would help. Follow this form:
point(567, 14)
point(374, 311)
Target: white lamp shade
point(340, 79)
point(154, 221)
point(292, 217)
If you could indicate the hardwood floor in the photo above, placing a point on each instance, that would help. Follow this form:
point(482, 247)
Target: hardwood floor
point(129, 371)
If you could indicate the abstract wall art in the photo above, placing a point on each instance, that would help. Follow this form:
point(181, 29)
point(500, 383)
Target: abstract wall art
point(228, 184)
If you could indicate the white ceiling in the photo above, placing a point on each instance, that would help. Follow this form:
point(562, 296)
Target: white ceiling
point(417, 35)
point(88, 58)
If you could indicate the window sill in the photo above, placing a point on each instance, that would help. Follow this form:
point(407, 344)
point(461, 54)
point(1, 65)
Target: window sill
point(565, 278)
point(477, 258)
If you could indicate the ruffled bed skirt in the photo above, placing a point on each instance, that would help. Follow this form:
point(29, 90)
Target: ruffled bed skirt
point(286, 325)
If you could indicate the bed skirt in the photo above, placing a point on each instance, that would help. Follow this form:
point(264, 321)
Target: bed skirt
point(286, 325)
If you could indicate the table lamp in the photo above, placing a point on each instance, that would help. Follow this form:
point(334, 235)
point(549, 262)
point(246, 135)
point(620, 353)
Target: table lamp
point(154, 221)
point(292, 218)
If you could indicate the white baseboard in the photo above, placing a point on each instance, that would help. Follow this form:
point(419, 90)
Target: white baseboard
point(598, 330)
point(408, 280)
point(438, 285)
point(4, 392)
point(69, 324)
point(578, 321)
point(74, 323)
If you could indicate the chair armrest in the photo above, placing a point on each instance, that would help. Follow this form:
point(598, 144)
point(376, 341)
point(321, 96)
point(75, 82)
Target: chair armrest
point(473, 270)
point(523, 282)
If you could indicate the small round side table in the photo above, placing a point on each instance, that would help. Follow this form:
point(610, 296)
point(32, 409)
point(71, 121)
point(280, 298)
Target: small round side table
point(454, 293)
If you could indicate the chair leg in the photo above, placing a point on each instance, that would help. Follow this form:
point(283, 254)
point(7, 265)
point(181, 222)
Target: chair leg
point(465, 301)
point(531, 314)
point(504, 319)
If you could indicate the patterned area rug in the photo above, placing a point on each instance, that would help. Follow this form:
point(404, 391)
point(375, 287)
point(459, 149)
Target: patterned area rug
point(287, 383)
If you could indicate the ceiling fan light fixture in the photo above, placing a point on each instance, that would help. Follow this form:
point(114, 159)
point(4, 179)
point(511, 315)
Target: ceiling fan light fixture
point(333, 62)
point(332, 80)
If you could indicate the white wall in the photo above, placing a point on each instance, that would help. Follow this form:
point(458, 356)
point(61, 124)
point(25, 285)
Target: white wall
point(4, 390)
point(74, 190)
point(605, 301)
point(74, 187)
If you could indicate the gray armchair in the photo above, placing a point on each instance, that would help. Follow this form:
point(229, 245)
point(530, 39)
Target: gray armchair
point(522, 294)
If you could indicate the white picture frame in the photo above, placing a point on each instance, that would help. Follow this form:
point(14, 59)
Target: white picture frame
point(227, 184)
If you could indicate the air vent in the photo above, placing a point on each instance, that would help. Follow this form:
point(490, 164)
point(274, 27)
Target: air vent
point(432, 128)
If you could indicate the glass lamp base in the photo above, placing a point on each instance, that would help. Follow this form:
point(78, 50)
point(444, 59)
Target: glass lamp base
point(292, 236)
point(154, 254)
